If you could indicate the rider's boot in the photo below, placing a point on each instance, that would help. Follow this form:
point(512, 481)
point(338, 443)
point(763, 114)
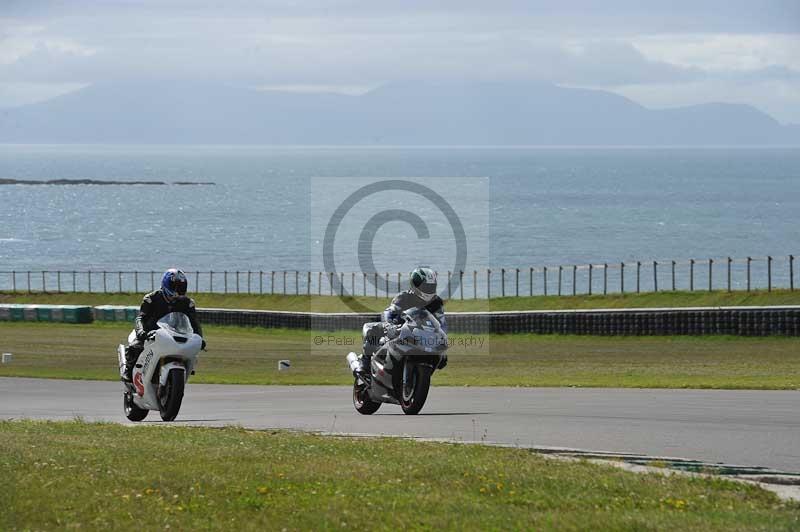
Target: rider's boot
point(131, 354)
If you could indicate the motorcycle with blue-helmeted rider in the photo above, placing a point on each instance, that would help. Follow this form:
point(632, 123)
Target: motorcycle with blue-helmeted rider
point(402, 351)
point(162, 350)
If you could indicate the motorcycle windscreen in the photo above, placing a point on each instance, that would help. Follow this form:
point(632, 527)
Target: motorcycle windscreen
point(423, 318)
point(176, 322)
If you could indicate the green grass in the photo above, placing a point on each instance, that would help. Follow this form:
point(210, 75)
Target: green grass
point(336, 304)
point(249, 356)
point(72, 475)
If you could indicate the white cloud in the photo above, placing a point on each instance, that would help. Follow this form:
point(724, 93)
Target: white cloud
point(723, 52)
point(21, 40)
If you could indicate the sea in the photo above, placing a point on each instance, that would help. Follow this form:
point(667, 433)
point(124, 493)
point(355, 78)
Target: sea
point(389, 209)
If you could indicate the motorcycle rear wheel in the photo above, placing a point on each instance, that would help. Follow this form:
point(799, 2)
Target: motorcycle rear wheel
point(132, 412)
point(170, 395)
point(413, 399)
point(361, 401)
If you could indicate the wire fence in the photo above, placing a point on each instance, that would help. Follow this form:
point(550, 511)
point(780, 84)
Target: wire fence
point(726, 273)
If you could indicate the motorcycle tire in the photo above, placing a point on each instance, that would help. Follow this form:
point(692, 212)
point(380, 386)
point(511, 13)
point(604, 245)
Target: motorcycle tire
point(132, 412)
point(170, 395)
point(362, 402)
point(412, 401)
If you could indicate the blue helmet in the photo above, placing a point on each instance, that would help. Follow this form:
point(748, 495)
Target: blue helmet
point(173, 283)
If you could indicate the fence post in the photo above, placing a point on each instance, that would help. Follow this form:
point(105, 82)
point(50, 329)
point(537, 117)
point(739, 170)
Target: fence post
point(655, 276)
point(120, 282)
point(14, 281)
point(297, 282)
point(400, 283)
point(621, 277)
point(104, 282)
point(791, 272)
point(341, 284)
point(196, 281)
point(58, 281)
point(710, 271)
point(502, 282)
point(308, 283)
point(226, 281)
point(673, 275)
point(460, 282)
point(211, 281)
point(448, 284)
point(516, 282)
point(73, 281)
point(591, 269)
point(319, 283)
point(249, 273)
point(560, 269)
point(136, 282)
point(749, 260)
point(574, 279)
point(272, 282)
point(237, 281)
point(691, 275)
point(769, 274)
point(544, 285)
point(152, 280)
point(474, 284)
point(729, 273)
point(353, 283)
point(605, 278)
point(44, 283)
point(449, 295)
point(89, 279)
point(638, 276)
point(530, 281)
point(488, 283)
point(375, 282)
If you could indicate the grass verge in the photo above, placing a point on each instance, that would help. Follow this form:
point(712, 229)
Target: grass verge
point(302, 303)
point(250, 356)
point(74, 475)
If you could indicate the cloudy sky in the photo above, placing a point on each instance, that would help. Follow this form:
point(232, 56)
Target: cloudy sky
point(660, 54)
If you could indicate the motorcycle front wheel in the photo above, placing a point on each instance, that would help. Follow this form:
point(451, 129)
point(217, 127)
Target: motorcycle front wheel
point(132, 412)
point(170, 395)
point(415, 386)
point(364, 405)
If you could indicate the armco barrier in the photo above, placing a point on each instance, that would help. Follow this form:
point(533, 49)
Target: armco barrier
point(51, 313)
point(115, 313)
point(742, 321)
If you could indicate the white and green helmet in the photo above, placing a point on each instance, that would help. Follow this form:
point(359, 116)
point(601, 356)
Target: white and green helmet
point(423, 283)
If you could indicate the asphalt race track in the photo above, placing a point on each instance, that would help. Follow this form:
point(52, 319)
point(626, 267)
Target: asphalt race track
point(752, 428)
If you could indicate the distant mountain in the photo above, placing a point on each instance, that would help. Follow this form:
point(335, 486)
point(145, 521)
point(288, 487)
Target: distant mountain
point(411, 113)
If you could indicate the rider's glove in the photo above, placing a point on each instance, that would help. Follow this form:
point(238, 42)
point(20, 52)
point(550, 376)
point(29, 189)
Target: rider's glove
point(203, 348)
point(392, 331)
point(442, 362)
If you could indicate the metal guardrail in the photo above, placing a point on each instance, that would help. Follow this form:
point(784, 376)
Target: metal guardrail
point(726, 273)
point(742, 321)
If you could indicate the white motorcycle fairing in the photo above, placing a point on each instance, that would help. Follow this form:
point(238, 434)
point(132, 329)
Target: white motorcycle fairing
point(173, 346)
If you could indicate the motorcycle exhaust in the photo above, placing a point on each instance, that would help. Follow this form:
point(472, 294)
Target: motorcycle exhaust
point(355, 363)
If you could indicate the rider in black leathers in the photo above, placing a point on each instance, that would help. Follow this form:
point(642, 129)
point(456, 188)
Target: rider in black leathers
point(171, 297)
point(421, 294)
